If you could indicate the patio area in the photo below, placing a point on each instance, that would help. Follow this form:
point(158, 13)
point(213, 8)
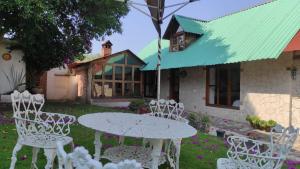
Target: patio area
point(201, 151)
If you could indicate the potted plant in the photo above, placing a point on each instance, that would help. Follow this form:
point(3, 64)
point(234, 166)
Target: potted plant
point(220, 133)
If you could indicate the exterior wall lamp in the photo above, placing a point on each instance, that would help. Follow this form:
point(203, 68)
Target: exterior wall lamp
point(293, 72)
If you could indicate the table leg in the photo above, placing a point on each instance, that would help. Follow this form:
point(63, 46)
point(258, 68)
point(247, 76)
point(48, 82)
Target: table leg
point(98, 145)
point(156, 152)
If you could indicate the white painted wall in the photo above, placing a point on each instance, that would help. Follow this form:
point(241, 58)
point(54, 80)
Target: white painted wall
point(60, 85)
point(265, 91)
point(5, 66)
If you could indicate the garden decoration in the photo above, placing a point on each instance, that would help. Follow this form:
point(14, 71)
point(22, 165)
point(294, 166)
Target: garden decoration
point(81, 159)
point(253, 154)
point(157, 8)
point(38, 129)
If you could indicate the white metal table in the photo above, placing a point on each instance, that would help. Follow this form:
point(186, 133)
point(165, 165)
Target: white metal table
point(138, 126)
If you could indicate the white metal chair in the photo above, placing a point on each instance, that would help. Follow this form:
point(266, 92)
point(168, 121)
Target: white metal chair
point(169, 109)
point(38, 129)
point(81, 159)
point(245, 153)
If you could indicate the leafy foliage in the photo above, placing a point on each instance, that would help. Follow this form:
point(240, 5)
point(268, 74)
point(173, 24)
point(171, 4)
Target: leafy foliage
point(258, 123)
point(53, 32)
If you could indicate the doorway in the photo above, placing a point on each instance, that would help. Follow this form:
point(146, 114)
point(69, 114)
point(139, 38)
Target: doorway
point(174, 84)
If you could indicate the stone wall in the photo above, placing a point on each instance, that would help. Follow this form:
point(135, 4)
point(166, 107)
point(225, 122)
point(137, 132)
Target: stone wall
point(265, 91)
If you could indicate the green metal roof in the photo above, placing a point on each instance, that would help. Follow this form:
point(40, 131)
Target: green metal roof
point(190, 25)
point(254, 34)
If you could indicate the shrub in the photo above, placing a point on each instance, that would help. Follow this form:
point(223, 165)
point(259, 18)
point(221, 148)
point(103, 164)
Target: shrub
point(257, 123)
point(135, 105)
point(199, 121)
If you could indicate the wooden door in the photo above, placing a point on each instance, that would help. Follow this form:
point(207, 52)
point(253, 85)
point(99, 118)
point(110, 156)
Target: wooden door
point(174, 84)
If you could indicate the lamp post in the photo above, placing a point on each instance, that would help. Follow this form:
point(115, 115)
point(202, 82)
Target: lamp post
point(156, 8)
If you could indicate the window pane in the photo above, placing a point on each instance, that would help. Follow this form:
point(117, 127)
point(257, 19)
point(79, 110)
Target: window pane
point(97, 69)
point(137, 89)
point(235, 87)
point(212, 95)
point(118, 89)
point(120, 59)
point(118, 73)
point(223, 86)
point(97, 89)
point(133, 61)
point(137, 74)
point(128, 89)
point(108, 72)
point(108, 89)
point(128, 73)
point(212, 76)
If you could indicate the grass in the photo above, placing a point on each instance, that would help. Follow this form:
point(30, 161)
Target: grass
point(201, 151)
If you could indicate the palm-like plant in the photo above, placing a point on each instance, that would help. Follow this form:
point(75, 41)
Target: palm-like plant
point(15, 78)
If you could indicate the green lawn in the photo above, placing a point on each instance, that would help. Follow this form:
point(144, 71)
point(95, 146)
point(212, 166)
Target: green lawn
point(200, 152)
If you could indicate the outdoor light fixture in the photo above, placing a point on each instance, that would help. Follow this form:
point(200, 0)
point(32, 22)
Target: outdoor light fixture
point(294, 73)
point(156, 9)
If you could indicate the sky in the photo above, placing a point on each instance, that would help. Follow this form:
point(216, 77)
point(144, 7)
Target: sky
point(138, 29)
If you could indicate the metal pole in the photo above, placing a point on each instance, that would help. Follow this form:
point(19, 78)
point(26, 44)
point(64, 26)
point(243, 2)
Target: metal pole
point(158, 66)
point(159, 51)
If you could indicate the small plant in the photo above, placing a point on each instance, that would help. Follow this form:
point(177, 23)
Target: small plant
point(199, 121)
point(194, 120)
point(137, 104)
point(258, 123)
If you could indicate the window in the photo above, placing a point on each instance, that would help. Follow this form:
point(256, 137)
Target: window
point(223, 86)
point(178, 42)
point(120, 76)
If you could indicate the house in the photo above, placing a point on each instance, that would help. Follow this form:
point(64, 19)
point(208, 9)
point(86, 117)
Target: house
point(12, 69)
point(109, 79)
point(243, 63)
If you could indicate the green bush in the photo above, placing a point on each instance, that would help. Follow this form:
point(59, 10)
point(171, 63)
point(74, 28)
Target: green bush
point(135, 105)
point(199, 121)
point(257, 123)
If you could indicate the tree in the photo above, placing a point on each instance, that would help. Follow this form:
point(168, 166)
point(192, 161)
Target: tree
point(53, 32)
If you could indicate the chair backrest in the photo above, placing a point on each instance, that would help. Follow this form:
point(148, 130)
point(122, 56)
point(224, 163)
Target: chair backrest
point(81, 159)
point(253, 154)
point(25, 108)
point(167, 109)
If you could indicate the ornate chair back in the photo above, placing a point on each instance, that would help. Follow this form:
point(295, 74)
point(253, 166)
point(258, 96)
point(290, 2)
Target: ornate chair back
point(167, 109)
point(25, 108)
point(81, 159)
point(31, 121)
point(253, 154)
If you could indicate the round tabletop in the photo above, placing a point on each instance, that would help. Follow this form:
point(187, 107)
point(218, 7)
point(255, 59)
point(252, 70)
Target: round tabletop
point(139, 126)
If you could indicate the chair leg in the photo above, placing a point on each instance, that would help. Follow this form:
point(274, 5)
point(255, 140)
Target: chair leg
point(35, 152)
point(14, 155)
point(50, 155)
point(121, 140)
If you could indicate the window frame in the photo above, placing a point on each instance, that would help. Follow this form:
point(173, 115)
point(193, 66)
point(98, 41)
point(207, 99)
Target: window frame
point(114, 81)
point(177, 45)
point(217, 86)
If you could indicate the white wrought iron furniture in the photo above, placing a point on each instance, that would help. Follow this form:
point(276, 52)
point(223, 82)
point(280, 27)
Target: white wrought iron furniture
point(245, 153)
point(81, 159)
point(38, 129)
point(138, 126)
point(169, 109)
